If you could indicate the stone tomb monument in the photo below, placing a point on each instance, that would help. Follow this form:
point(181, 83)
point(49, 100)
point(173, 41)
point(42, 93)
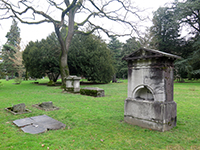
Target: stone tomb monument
point(150, 90)
point(73, 84)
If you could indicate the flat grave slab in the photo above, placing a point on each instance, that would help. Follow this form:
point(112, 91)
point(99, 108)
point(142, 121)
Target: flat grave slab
point(92, 91)
point(38, 124)
point(23, 122)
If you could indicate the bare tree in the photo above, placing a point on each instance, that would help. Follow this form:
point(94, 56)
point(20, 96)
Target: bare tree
point(89, 13)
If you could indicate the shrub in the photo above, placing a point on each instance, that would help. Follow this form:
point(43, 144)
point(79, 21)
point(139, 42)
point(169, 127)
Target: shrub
point(18, 80)
point(51, 83)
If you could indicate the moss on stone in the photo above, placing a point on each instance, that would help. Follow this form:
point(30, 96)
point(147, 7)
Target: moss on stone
point(89, 92)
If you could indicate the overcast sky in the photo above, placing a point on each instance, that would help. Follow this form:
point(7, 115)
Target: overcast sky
point(37, 32)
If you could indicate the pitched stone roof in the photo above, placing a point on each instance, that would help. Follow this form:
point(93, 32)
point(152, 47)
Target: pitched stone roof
point(144, 53)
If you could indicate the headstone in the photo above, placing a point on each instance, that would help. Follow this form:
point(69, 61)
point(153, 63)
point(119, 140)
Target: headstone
point(19, 108)
point(38, 124)
point(7, 78)
point(150, 90)
point(46, 105)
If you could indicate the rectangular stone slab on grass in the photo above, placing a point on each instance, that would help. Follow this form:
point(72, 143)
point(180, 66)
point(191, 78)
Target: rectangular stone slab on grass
point(23, 122)
point(38, 124)
point(48, 122)
point(34, 129)
point(92, 91)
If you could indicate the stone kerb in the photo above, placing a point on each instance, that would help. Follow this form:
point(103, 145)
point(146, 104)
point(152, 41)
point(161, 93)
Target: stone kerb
point(92, 91)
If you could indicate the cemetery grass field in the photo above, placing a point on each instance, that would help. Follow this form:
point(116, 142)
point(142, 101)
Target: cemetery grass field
point(95, 123)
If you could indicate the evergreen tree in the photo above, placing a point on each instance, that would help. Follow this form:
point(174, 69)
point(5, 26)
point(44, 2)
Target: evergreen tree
point(89, 57)
point(42, 57)
point(13, 36)
point(188, 14)
point(130, 46)
point(165, 30)
point(10, 49)
point(116, 47)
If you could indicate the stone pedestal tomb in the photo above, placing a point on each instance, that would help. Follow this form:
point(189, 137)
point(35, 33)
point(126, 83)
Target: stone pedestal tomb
point(73, 84)
point(150, 90)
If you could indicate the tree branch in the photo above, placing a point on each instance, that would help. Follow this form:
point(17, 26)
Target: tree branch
point(54, 4)
point(16, 13)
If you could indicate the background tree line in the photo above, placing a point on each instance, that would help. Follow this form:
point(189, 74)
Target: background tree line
point(89, 56)
point(165, 34)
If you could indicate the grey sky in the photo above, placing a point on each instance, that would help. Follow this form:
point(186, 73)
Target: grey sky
point(37, 32)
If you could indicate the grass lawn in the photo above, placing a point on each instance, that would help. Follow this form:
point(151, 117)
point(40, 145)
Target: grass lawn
point(95, 123)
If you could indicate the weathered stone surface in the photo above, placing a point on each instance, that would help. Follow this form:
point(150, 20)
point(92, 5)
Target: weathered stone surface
point(92, 91)
point(150, 90)
point(73, 84)
point(19, 108)
point(34, 129)
point(46, 105)
point(38, 124)
point(23, 122)
point(150, 114)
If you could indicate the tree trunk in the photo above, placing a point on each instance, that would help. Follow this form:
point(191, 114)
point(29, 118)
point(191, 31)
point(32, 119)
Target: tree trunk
point(114, 80)
point(64, 69)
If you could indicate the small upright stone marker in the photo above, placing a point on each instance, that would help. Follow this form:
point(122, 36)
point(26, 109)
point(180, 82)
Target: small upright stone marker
point(19, 108)
point(46, 105)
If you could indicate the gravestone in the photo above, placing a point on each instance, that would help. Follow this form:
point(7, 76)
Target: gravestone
point(73, 84)
point(7, 78)
point(150, 101)
point(18, 109)
point(38, 124)
point(47, 106)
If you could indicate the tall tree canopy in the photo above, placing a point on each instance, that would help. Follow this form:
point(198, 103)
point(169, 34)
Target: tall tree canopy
point(188, 15)
point(87, 13)
point(10, 51)
point(13, 36)
point(89, 57)
point(165, 30)
point(116, 47)
point(130, 46)
point(42, 57)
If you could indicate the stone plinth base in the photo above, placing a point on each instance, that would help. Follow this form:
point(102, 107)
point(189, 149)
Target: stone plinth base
point(153, 115)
